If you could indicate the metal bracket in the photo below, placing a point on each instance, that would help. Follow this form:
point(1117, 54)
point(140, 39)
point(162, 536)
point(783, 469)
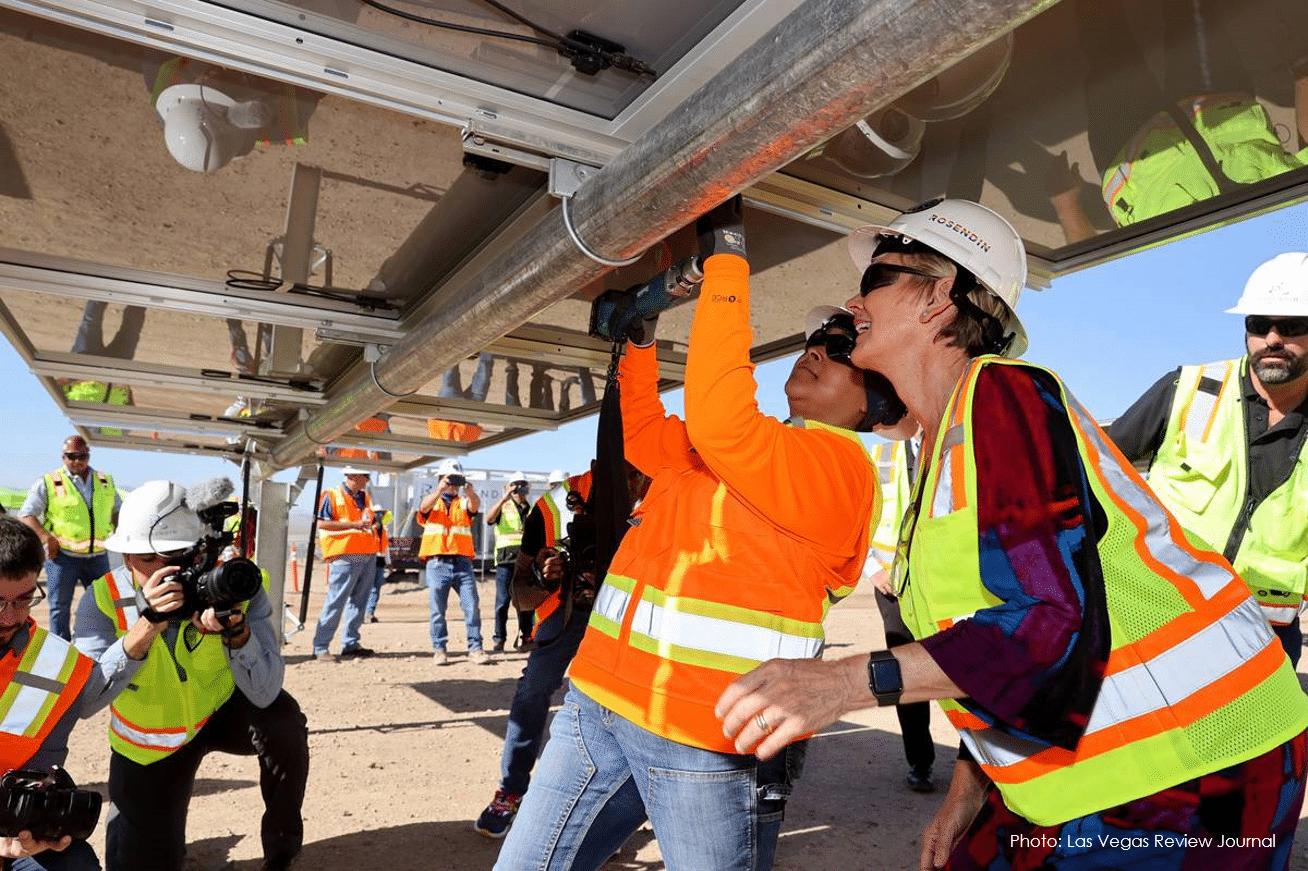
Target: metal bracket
point(372, 352)
point(567, 176)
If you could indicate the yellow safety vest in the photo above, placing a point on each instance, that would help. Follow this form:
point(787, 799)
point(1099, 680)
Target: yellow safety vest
point(339, 542)
point(1195, 680)
point(1201, 473)
point(66, 516)
point(891, 460)
point(160, 711)
point(508, 530)
point(40, 684)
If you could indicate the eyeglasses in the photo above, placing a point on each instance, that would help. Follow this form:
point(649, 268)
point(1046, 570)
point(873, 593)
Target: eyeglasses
point(22, 603)
point(879, 275)
point(837, 337)
point(76, 456)
point(1261, 325)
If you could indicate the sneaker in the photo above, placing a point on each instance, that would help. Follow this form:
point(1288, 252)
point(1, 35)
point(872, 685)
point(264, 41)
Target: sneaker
point(494, 822)
point(919, 780)
point(372, 618)
point(479, 657)
point(360, 652)
point(325, 657)
point(497, 647)
point(440, 657)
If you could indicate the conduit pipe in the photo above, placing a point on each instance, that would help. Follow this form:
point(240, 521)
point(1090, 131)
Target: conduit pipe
point(828, 64)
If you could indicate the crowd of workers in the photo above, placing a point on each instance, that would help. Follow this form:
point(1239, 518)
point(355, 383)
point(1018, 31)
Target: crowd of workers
point(1117, 655)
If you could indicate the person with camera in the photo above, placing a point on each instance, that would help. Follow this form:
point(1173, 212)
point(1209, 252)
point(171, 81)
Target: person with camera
point(750, 529)
point(47, 686)
point(445, 515)
point(348, 535)
point(200, 671)
point(507, 517)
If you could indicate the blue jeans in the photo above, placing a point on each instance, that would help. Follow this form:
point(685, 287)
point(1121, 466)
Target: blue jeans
point(1291, 638)
point(710, 811)
point(546, 665)
point(62, 575)
point(349, 578)
point(504, 603)
point(78, 857)
point(375, 593)
point(444, 572)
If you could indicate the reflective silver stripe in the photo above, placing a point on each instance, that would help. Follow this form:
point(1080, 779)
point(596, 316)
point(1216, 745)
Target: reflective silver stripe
point(1279, 615)
point(610, 602)
point(1203, 405)
point(441, 529)
point(124, 595)
point(1168, 679)
point(37, 685)
point(1158, 539)
point(942, 501)
point(669, 626)
point(170, 740)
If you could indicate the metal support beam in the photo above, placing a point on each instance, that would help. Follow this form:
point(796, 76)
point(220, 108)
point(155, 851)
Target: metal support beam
point(484, 413)
point(821, 69)
point(129, 417)
point(273, 501)
point(297, 260)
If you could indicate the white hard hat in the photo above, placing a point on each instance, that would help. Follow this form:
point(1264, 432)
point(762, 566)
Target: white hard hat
point(449, 466)
point(196, 129)
point(155, 518)
point(818, 316)
point(355, 470)
point(558, 476)
point(518, 476)
point(1278, 287)
point(881, 144)
point(963, 86)
point(974, 237)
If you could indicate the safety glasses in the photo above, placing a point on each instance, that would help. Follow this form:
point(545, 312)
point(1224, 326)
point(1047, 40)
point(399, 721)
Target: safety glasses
point(1261, 325)
point(22, 603)
point(76, 456)
point(837, 338)
point(879, 275)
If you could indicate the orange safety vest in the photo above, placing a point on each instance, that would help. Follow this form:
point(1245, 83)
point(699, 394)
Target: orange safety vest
point(554, 509)
point(372, 424)
point(446, 531)
point(41, 682)
point(347, 541)
point(707, 584)
point(452, 430)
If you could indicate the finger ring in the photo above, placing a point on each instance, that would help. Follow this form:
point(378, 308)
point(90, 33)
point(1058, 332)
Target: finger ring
point(763, 723)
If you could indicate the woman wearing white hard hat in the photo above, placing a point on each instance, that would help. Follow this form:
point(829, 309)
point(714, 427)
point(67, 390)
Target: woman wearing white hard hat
point(1119, 696)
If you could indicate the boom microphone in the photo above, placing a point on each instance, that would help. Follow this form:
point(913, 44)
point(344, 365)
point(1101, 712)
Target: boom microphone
point(207, 494)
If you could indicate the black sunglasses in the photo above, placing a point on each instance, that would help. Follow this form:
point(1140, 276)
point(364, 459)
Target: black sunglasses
point(1261, 325)
point(69, 456)
point(837, 337)
point(879, 275)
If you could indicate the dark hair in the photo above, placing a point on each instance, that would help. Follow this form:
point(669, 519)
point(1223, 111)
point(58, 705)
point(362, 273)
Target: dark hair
point(21, 553)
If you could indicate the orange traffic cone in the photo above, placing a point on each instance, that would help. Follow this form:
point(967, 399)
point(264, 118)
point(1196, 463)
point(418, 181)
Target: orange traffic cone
point(295, 570)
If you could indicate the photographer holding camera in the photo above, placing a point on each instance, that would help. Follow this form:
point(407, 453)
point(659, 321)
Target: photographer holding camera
point(54, 686)
point(445, 515)
point(200, 671)
point(507, 517)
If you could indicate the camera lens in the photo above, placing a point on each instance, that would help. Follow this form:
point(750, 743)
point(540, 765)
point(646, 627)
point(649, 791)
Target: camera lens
point(234, 581)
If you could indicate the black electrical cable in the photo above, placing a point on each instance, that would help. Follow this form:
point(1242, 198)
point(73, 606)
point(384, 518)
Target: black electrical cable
point(466, 28)
point(244, 279)
point(495, 4)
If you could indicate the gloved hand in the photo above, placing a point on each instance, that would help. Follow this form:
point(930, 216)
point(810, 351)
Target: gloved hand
point(722, 230)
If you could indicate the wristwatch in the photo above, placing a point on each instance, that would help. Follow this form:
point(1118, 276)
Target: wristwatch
point(884, 678)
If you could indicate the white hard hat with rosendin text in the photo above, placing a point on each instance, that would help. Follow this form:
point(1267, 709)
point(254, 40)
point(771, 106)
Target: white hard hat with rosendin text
point(1278, 287)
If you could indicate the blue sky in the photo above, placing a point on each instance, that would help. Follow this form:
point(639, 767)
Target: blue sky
point(1109, 331)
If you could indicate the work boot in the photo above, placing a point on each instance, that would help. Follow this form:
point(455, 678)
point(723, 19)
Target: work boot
point(440, 657)
point(919, 780)
point(479, 657)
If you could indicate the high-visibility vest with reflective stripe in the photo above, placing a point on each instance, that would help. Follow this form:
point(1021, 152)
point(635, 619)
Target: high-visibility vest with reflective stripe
point(446, 530)
point(1201, 473)
point(339, 542)
point(508, 530)
point(1195, 680)
point(40, 684)
point(891, 460)
point(78, 529)
point(703, 589)
point(176, 690)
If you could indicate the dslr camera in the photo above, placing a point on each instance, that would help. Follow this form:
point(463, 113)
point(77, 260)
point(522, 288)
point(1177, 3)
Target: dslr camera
point(205, 583)
point(577, 551)
point(456, 480)
point(49, 806)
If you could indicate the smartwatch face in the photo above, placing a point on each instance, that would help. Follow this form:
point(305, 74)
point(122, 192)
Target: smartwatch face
point(886, 677)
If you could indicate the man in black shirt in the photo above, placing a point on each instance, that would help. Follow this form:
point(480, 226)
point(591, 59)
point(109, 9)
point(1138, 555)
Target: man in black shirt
point(1225, 444)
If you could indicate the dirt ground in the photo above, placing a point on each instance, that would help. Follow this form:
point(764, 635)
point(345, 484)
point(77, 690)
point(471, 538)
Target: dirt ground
point(404, 755)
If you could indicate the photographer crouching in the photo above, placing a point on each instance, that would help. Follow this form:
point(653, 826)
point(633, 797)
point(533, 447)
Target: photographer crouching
point(197, 642)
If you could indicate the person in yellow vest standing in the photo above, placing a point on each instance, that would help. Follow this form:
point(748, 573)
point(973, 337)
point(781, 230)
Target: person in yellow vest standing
point(73, 509)
point(195, 680)
point(347, 536)
point(507, 517)
point(45, 686)
point(445, 515)
point(1227, 444)
point(1121, 700)
point(750, 529)
point(383, 559)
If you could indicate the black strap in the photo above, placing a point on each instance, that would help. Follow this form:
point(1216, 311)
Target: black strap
point(1220, 178)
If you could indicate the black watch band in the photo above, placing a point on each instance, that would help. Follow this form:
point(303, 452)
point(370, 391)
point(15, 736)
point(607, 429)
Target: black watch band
point(884, 678)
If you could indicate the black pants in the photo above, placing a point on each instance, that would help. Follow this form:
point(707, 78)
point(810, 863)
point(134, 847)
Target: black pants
point(915, 717)
point(148, 830)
